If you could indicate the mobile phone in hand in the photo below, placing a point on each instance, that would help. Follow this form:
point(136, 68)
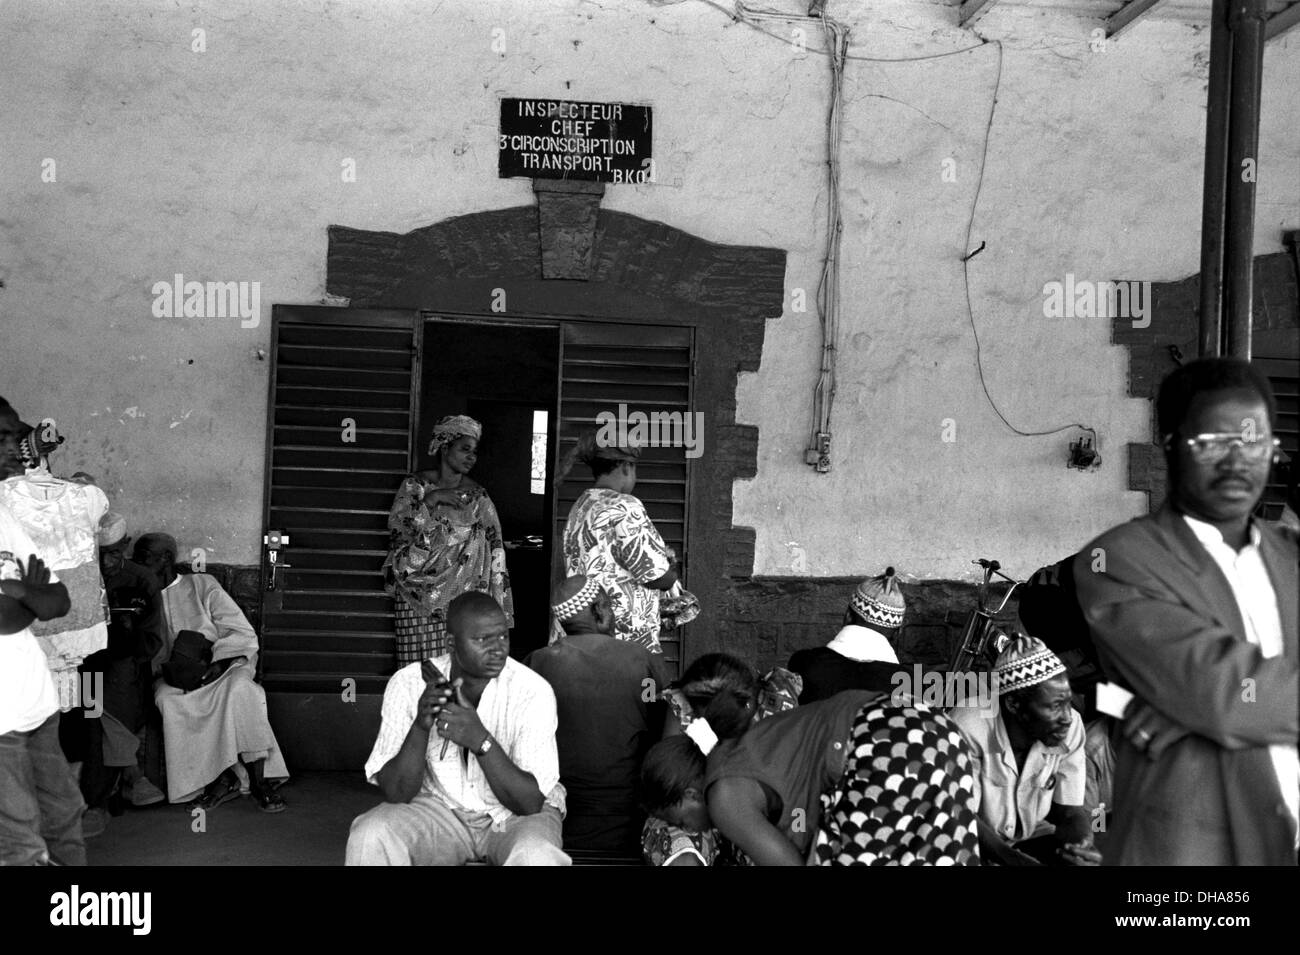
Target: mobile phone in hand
point(433, 675)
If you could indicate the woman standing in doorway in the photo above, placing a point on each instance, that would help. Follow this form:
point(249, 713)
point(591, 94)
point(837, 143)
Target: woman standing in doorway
point(610, 538)
point(445, 540)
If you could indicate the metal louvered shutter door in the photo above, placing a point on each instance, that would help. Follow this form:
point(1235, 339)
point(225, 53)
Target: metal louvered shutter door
point(329, 618)
point(648, 369)
point(1284, 375)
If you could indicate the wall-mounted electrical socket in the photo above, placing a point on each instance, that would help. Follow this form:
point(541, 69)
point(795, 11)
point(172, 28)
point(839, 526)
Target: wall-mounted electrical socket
point(820, 456)
point(1083, 455)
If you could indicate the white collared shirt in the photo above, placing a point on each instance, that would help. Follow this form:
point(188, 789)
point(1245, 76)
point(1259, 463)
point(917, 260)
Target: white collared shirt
point(517, 708)
point(1257, 604)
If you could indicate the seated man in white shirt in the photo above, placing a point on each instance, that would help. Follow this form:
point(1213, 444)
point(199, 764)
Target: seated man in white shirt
point(1032, 771)
point(466, 756)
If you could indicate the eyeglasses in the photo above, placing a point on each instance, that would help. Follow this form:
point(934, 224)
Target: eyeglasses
point(1212, 447)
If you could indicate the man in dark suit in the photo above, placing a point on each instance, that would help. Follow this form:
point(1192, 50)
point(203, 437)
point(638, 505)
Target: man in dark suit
point(1194, 610)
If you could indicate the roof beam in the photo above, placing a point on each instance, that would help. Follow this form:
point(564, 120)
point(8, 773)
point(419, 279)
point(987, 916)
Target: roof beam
point(1281, 21)
point(972, 10)
point(1129, 14)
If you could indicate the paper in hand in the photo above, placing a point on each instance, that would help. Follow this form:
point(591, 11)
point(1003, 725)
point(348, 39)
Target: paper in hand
point(1113, 699)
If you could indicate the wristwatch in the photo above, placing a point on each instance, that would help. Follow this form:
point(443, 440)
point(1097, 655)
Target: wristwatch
point(485, 747)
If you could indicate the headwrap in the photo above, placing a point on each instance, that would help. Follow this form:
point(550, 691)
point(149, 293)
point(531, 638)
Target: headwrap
point(1025, 662)
point(112, 528)
point(863, 645)
point(578, 602)
point(879, 601)
point(451, 427)
point(591, 447)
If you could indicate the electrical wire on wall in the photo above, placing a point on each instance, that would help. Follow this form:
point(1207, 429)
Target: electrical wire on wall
point(828, 287)
point(837, 36)
point(965, 271)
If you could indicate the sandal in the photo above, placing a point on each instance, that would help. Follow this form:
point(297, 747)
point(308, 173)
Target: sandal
point(223, 790)
point(267, 799)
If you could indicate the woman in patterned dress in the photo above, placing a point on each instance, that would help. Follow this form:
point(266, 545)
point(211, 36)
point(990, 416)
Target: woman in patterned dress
point(610, 538)
point(445, 540)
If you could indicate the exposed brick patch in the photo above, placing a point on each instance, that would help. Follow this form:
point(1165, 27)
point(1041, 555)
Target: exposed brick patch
point(1146, 469)
point(738, 446)
point(1175, 317)
point(768, 618)
point(566, 226)
point(739, 552)
point(772, 617)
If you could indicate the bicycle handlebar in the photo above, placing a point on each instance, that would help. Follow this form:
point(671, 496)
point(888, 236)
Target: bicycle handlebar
point(992, 568)
point(978, 636)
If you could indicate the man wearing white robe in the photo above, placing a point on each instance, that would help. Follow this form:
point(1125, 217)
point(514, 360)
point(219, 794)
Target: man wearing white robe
point(210, 731)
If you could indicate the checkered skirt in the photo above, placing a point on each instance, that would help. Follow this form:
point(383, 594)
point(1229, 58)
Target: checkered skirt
point(420, 635)
point(906, 794)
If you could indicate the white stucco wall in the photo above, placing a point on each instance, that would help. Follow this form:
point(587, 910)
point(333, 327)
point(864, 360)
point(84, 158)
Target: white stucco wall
point(225, 165)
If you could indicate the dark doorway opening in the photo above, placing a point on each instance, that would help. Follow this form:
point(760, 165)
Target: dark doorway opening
point(507, 378)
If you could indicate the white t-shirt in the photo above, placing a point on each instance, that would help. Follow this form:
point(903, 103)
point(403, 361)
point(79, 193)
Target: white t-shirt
point(27, 697)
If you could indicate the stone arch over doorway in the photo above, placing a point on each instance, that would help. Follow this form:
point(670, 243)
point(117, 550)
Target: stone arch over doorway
point(566, 257)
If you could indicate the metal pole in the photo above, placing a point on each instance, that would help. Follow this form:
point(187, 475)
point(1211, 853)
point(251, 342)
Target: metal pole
point(1246, 20)
point(1216, 161)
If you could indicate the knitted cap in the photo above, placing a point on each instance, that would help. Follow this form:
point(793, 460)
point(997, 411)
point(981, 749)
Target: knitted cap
point(584, 598)
point(879, 601)
point(1026, 662)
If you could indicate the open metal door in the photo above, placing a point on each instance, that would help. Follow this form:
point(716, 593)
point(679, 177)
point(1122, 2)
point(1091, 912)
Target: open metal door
point(339, 425)
point(646, 368)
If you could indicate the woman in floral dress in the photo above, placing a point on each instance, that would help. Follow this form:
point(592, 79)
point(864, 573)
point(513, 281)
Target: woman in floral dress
point(445, 540)
point(610, 538)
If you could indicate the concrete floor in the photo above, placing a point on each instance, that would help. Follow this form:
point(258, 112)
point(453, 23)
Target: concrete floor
point(313, 830)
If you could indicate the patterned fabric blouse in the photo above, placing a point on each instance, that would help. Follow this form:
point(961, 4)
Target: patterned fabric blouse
point(778, 691)
point(610, 537)
point(662, 843)
point(438, 553)
point(62, 518)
